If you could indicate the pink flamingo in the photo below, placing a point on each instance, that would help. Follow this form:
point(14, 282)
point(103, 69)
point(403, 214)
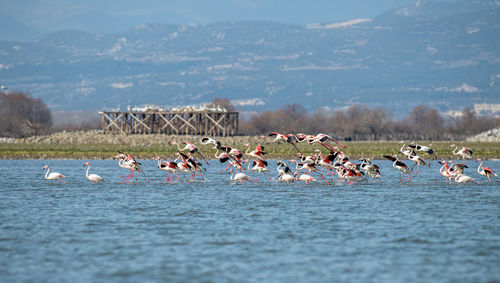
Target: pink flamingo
point(192, 149)
point(257, 153)
point(465, 152)
point(128, 162)
point(290, 138)
point(261, 167)
point(169, 166)
point(485, 171)
point(54, 175)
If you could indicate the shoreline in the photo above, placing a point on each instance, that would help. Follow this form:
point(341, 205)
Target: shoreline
point(94, 145)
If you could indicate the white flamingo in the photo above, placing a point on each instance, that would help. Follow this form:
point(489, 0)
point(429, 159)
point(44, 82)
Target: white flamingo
point(239, 177)
point(306, 178)
point(464, 179)
point(54, 175)
point(92, 177)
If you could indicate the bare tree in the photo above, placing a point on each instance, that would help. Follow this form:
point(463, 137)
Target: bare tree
point(23, 115)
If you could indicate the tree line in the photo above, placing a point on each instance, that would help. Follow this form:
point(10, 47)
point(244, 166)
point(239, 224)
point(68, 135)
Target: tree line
point(22, 116)
point(359, 122)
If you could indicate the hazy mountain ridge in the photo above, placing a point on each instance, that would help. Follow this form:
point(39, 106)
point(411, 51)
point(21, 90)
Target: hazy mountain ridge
point(440, 53)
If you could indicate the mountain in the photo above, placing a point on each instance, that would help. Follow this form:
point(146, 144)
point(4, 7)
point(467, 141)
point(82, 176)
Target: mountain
point(444, 54)
point(12, 29)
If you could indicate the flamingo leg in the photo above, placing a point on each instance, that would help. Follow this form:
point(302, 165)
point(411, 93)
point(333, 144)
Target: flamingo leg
point(268, 176)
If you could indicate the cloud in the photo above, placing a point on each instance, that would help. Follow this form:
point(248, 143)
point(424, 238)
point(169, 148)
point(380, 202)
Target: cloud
point(122, 85)
point(462, 88)
point(338, 25)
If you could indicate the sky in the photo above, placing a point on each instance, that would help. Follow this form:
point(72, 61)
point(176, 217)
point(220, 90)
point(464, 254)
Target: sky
point(112, 15)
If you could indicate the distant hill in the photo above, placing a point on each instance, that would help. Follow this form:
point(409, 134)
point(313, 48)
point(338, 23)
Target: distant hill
point(444, 54)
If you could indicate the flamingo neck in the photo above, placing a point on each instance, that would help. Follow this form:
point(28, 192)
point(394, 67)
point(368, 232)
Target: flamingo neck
point(87, 174)
point(47, 173)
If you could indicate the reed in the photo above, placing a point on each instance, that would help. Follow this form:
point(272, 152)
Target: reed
point(374, 150)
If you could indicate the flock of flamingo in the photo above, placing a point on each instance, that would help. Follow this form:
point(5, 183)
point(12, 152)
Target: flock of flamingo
point(332, 167)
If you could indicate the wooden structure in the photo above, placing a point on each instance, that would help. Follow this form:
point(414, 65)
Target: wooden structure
point(206, 123)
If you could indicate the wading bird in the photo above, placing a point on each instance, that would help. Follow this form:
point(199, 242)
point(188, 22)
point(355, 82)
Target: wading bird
point(485, 171)
point(54, 175)
point(402, 167)
point(92, 177)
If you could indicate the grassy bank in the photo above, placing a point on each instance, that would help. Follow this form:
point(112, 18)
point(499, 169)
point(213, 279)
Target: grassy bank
point(374, 150)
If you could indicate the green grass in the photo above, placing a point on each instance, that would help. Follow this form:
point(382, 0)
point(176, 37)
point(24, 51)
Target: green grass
point(374, 150)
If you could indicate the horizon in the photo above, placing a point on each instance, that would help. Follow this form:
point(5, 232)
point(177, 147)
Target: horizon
point(98, 17)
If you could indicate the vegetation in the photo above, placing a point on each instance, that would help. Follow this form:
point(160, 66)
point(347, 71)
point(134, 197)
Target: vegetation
point(355, 150)
point(22, 115)
point(360, 123)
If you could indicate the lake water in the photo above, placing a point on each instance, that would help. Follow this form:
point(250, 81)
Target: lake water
point(215, 231)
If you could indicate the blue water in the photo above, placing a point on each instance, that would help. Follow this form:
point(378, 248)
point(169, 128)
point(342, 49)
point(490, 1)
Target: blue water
point(217, 231)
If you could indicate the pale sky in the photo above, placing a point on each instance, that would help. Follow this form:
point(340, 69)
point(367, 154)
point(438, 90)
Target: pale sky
point(111, 15)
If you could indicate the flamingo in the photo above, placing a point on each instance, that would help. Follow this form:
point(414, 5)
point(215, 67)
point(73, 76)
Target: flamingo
point(207, 140)
point(239, 176)
point(290, 138)
point(401, 166)
point(94, 178)
point(446, 171)
point(485, 171)
point(465, 152)
point(257, 153)
point(284, 172)
point(424, 148)
point(224, 157)
point(128, 162)
point(189, 162)
point(372, 170)
point(261, 167)
point(408, 152)
point(322, 139)
point(310, 167)
point(54, 175)
point(305, 178)
point(232, 151)
point(191, 147)
point(169, 166)
point(464, 179)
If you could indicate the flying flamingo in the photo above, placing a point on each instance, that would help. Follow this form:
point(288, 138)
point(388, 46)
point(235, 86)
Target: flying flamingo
point(257, 153)
point(290, 138)
point(485, 171)
point(424, 148)
point(92, 177)
point(192, 149)
point(207, 140)
point(465, 152)
point(54, 175)
point(169, 166)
